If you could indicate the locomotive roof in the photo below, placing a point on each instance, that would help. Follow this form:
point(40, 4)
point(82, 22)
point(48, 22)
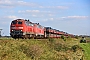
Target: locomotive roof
point(18, 19)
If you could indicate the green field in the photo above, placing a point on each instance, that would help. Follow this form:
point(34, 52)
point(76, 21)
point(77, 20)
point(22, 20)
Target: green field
point(46, 49)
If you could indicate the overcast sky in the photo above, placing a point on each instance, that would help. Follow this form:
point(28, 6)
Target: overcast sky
point(72, 16)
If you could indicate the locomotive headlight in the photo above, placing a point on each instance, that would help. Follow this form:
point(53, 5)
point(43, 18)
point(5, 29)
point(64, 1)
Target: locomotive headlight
point(12, 30)
point(21, 30)
point(20, 27)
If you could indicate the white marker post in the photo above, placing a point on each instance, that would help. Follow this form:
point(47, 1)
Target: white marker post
point(0, 32)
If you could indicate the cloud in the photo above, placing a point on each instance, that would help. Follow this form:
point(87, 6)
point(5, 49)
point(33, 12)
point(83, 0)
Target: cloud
point(51, 19)
point(29, 11)
point(15, 3)
point(33, 11)
point(22, 3)
point(62, 7)
point(57, 7)
point(45, 20)
point(40, 20)
point(78, 17)
point(12, 17)
point(50, 14)
point(54, 7)
point(75, 17)
point(5, 3)
point(41, 7)
point(36, 13)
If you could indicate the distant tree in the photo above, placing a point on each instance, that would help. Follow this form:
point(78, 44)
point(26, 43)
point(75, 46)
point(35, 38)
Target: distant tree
point(76, 37)
point(62, 37)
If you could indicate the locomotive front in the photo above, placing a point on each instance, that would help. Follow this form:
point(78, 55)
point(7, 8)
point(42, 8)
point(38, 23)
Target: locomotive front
point(16, 28)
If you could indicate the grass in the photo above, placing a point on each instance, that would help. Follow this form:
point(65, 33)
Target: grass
point(86, 48)
point(47, 49)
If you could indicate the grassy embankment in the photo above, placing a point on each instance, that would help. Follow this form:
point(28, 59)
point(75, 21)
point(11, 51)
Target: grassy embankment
point(48, 49)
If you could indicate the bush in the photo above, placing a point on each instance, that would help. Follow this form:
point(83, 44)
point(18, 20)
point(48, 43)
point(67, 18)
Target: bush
point(62, 37)
point(82, 41)
point(75, 48)
point(76, 37)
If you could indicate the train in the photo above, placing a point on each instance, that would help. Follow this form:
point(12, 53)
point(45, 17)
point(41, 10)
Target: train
point(22, 28)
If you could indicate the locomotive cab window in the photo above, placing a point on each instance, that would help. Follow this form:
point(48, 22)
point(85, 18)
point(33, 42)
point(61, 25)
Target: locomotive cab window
point(14, 22)
point(19, 22)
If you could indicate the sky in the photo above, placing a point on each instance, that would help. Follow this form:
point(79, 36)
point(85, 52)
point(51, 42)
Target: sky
point(71, 16)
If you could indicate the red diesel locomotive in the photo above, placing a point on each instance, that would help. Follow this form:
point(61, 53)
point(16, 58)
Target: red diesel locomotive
point(21, 28)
